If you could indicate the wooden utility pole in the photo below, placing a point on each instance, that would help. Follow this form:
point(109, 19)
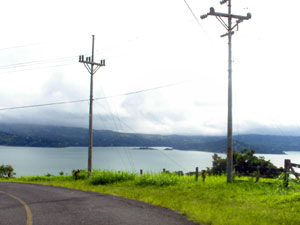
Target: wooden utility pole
point(89, 65)
point(229, 33)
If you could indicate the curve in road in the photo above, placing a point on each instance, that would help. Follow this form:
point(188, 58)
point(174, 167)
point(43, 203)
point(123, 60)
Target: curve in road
point(27, 209)
point(61, 206)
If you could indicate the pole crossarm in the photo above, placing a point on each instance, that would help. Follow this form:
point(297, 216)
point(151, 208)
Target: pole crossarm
point(229, 16)
point(213, 13)
point(88, 61)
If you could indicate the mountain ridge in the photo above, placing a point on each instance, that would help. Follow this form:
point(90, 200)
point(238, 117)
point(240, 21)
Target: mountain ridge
point(60, 136)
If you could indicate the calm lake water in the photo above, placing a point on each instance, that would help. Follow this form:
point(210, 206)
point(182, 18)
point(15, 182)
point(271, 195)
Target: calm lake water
point(29, 161)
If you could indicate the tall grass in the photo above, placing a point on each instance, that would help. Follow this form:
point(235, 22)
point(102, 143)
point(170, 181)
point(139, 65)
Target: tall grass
point(160, 179)
point(110, 177)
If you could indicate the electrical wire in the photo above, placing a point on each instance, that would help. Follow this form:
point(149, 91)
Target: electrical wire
point(85, 100)
point(118, 128)
point(103, 123)
point(39, 68)
point(36, 62)
point(45, 104)
point(116, 118)
point(19, 46)
point(141, 91)
point(196, 18)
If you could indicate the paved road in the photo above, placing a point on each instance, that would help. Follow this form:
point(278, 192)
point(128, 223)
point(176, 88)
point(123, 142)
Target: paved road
point(32, 204)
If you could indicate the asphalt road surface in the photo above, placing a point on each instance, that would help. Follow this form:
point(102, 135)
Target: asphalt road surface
point(32, 204)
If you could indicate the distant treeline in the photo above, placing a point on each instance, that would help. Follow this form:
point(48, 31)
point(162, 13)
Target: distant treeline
point(54, 136)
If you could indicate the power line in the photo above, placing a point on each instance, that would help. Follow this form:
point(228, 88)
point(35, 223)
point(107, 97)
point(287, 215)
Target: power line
point(135, 133)
point(140, 91)
point(19, 46)
point(85, 100)
point(39, 68)
point(33, 63)
point(195, 17)
point(36, 62)
point(44, 104)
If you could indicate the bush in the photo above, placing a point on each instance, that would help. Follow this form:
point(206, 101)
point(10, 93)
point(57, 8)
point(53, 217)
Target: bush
point(80, 174)
point(245, 163)
point(219, 165)
point(6, 171)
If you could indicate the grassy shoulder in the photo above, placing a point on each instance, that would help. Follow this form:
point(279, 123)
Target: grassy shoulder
point(210, 202)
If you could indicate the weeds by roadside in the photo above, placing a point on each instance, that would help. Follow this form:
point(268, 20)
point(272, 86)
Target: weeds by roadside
point(210, 202)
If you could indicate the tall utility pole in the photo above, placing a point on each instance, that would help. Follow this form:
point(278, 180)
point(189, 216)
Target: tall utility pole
point(89, 65)
point(230, 32)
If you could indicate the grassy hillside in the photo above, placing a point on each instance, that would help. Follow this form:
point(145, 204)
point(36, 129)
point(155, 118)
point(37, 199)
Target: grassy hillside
point(210, 202)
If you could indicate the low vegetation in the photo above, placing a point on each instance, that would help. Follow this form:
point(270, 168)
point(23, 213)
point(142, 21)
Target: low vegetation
point(6, 171)
point(245, 163)
point(210, 202)
point(213, 201)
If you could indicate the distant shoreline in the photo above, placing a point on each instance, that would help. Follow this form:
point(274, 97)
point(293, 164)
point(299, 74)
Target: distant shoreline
point(146, 148)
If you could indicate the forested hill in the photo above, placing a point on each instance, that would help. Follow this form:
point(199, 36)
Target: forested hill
point(53, 136)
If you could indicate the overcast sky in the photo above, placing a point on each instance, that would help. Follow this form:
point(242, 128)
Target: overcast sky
point(149, 44)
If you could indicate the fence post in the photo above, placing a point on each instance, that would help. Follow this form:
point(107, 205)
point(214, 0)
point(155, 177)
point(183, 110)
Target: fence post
point(203, 174)
point(141, 171)
point(197, 174)
point(287, 164)
point(257, 174)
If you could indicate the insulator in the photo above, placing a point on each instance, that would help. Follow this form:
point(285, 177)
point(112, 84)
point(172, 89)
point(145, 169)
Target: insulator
point(203, 16)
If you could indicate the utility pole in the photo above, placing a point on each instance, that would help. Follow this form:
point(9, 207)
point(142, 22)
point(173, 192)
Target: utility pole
point(230, 32)
point(89, 65)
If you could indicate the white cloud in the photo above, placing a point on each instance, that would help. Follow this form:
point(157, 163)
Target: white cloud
point(149, 44)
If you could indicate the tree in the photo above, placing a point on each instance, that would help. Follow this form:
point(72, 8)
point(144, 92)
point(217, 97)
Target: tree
point(6, 171)
point(245, 163)
point(219, 165)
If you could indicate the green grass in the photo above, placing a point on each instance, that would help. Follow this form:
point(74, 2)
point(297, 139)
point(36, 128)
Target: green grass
point(213, 202)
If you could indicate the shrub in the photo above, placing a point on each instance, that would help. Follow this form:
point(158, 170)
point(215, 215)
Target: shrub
point(218, 165)
point(6, 171)
point(245, 163)
point(80, 174)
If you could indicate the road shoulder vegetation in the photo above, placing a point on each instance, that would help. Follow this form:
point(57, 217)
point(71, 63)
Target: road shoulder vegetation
point(210, 202)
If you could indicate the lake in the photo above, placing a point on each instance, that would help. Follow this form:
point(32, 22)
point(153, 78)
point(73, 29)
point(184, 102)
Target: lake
point(29, 161)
